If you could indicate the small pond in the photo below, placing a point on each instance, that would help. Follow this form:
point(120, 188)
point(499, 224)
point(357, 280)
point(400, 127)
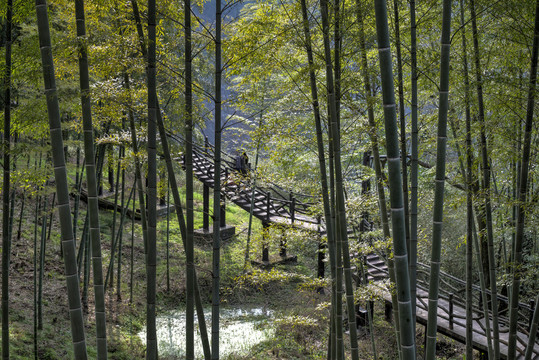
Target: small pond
point(240, 329)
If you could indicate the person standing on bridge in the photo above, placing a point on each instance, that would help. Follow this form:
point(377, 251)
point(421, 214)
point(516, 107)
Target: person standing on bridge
point(242, 163)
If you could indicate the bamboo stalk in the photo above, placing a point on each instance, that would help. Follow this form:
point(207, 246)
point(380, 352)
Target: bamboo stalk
point(395, 184)
point(437, 219)
point(60, 174)
point(523, 190)
point(93, 207)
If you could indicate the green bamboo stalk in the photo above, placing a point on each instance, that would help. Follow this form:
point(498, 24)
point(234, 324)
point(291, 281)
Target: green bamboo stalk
point(78, 185)
point(252, 207)
point(168, 234)
point(437, 219)
point(114, 188)
point(483, 285)
point(151, 257)
point(6, 142)
point(86, 279)
point(216, 189)
point(82, 245)
point(533, 331)
point(337, 59)
point(469, 195)
point(21, 213)
point(132, 255)
point(377, 165)
point(118, 240)
point(124, 207)
point(35, 277)
point(337, 292)
point(522, 192)
point(344, 253)
point(42, 262)
point(60, 174)
point(189, 251)
point(93, 207)
point(402, 121)
point(486, 183)
point(414, 166)
point(175, 193)
point(323, 173)
point(395, 185)
point(138, 172)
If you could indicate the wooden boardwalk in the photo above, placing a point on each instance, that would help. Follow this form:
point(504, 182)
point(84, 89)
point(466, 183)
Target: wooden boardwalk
point(452, 312)
point(273, 205)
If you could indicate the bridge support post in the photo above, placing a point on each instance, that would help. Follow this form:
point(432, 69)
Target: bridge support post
point(206, 207)
point(282, 250)
point(265, 241)
point(223, 213)
point(388, 311)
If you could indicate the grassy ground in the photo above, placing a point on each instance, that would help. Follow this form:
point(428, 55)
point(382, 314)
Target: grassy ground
point(300, 312)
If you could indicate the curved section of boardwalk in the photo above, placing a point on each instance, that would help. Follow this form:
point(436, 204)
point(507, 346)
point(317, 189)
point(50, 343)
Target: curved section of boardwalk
point(452, 310)
point(272, 204)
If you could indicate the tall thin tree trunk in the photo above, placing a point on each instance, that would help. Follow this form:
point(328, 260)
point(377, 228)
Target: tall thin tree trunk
point(6, 239)
point(124, 207)
point(93, 207)
point(437, 218)
point(339, 190)
point(60, 175)
point(175, 194)
point(414, 166)
point(376, 160)
point(522, 192)
point(402, 121)
point(216, 189)
point(114, 188)
point(469, 195)
point(486, 184)
point(533, 331)
point(42, 262)
point(395, 184)
point(189, 251)
point(35, 277)
point(151, 257)
point(168, 234)
point(322, 165)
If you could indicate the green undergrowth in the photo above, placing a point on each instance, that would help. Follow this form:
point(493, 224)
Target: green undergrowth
point(300, 311)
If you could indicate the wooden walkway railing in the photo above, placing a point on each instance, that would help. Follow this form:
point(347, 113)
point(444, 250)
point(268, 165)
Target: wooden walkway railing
point(272, 204)
point(452, 309)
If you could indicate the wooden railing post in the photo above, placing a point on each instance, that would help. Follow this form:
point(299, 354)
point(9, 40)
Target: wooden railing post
point(451, 311)
point(268, 200)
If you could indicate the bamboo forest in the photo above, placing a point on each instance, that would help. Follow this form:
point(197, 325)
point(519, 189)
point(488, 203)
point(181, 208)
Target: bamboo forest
point(269, 179)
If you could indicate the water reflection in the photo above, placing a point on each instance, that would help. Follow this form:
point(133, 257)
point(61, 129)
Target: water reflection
point(240, 329)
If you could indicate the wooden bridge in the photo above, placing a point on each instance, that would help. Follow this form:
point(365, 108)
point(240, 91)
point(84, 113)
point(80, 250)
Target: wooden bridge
point(274, 205)
point(452, 309)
